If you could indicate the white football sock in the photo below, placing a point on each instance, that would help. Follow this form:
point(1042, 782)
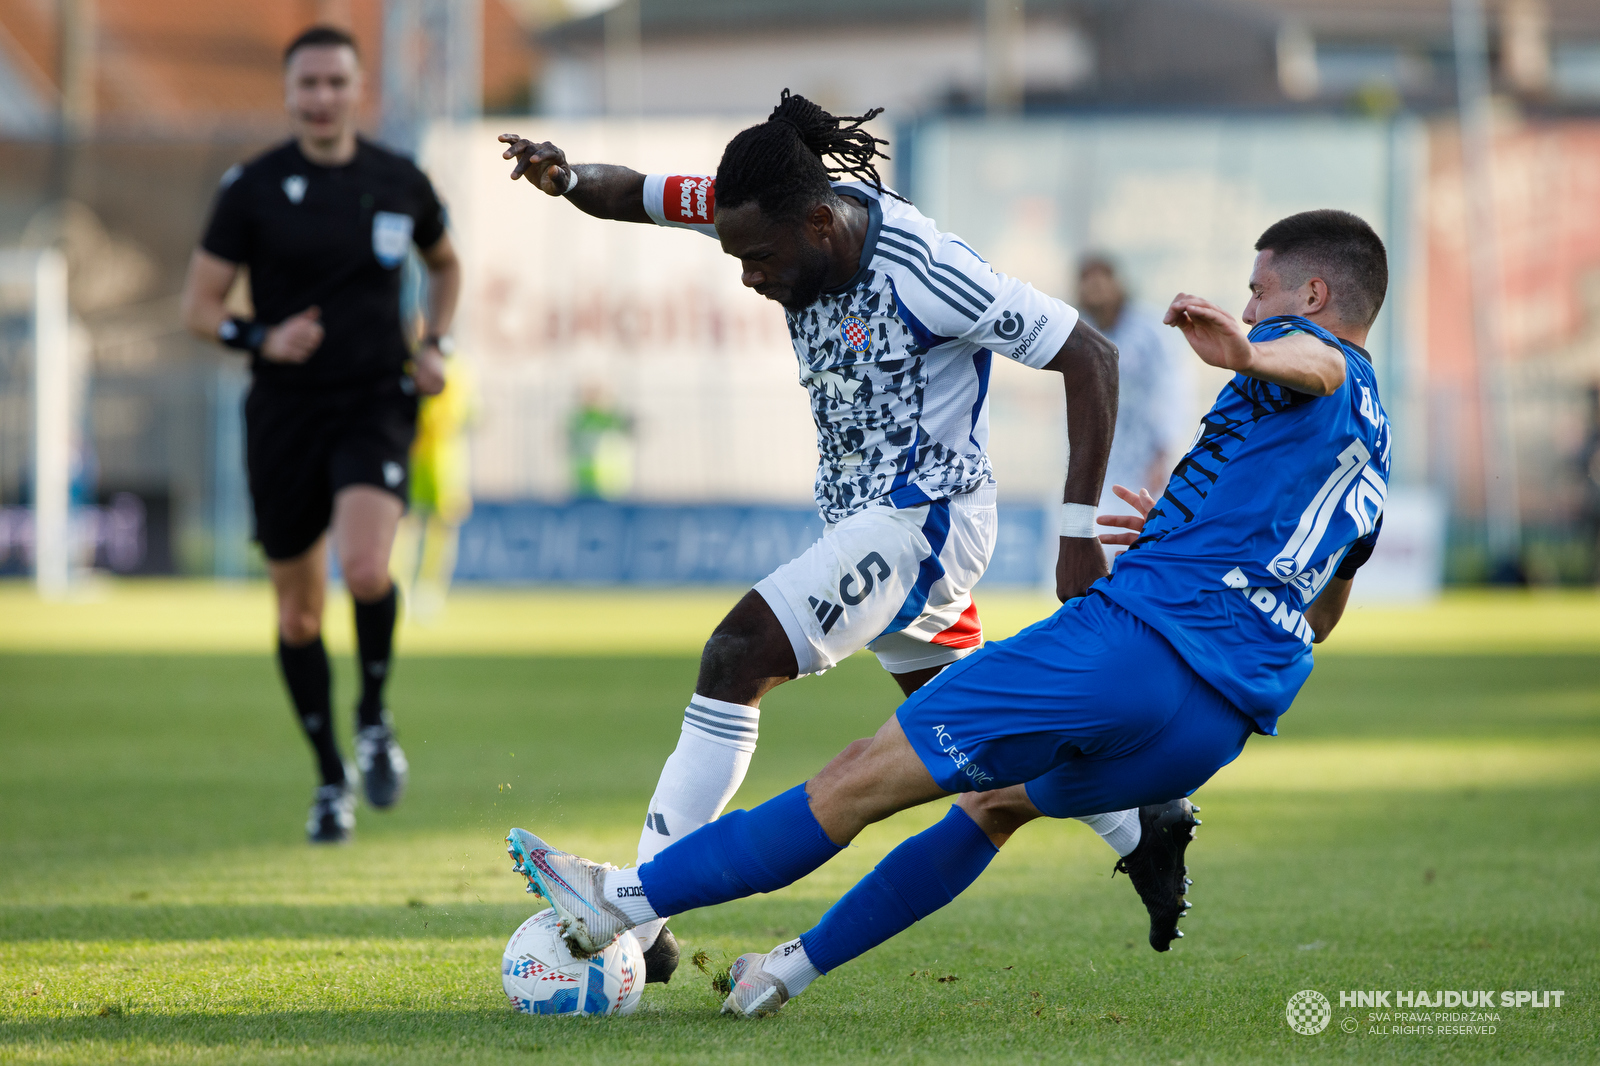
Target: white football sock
point(788, 963)
point(625, 892)
point(1120, 829)
point(700, 777)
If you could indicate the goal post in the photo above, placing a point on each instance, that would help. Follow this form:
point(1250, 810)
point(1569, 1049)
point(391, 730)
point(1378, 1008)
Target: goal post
point(45, 273)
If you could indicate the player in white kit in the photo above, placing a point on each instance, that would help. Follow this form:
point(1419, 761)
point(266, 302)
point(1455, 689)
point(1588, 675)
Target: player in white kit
point(895, 325)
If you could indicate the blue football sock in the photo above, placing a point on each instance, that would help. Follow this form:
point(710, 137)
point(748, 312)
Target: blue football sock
point(912, 881)
point(738, 855)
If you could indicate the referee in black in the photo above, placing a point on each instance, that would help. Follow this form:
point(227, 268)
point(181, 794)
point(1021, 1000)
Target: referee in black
point(323, 223)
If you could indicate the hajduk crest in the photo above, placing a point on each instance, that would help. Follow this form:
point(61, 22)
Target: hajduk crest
point(855, 333)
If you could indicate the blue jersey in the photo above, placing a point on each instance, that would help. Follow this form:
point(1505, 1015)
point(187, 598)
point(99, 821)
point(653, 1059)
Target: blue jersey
point(1276, 488)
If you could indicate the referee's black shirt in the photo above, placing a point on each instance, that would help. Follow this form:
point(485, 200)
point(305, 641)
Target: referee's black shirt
point(330, 236)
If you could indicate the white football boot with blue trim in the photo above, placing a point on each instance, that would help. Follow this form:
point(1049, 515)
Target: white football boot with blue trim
point(575, 887)
point(752, 991)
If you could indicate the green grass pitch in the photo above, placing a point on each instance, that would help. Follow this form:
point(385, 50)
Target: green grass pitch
point(1427, 822)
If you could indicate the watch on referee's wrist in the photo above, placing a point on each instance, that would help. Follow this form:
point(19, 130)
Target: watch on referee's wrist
point(442, 341)
point(243, 334)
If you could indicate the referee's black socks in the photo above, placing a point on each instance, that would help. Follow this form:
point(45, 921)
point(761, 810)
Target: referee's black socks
point(305, 672)
point(374, 644)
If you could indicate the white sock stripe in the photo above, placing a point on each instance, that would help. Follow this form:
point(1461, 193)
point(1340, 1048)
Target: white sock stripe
point(722, 727)
point(743, 728)
point(739, 741)
point(734, 713)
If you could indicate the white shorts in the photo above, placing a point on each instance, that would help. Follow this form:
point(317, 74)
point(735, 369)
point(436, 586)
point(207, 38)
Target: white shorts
point(896, 581)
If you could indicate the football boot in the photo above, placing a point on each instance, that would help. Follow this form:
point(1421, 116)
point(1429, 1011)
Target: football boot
point(575, 887)
point(661, 958)
point(752, 991)
point(333, 814)
point(1156, 866)
point(383, 765)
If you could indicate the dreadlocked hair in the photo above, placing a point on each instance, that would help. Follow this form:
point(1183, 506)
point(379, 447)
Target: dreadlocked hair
point(786, 164)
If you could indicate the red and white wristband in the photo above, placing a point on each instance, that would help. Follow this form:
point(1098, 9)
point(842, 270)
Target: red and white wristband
point(1078, 520)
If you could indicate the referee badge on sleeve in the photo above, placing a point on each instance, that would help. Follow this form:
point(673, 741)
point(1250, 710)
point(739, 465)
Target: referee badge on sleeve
point(391, 237)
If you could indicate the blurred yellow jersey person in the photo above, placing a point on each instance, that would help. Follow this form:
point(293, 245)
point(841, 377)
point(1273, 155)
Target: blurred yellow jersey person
point(440, 463)
point(441, 493)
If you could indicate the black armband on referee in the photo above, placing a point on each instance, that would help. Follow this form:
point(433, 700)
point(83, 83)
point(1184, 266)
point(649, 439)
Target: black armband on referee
point(1358, 554)
point(245, 334)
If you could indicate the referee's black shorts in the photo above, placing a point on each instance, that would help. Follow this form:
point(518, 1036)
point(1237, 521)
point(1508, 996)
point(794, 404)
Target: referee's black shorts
point(301, 448)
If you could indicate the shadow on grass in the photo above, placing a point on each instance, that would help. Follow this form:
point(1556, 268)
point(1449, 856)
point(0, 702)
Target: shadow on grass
point(498, 1028)
point(205, 921)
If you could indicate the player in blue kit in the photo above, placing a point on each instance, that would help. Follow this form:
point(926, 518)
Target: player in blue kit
point(1140, 690)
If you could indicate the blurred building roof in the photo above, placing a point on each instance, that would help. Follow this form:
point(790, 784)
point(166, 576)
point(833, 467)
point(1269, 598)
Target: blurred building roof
point(1425, 20)
point(1216, 52)
point(700, 55)
point(183, 67)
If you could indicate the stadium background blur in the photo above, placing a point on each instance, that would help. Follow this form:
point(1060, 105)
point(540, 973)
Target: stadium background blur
point(1154, 130)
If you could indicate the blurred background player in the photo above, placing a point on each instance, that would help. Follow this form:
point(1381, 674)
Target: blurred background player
point(894, 324)
point(1155, 379)
point(600, 445)
point(441, 493)
point(323, 224)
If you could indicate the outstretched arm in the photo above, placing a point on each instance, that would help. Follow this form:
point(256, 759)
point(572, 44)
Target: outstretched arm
point(601, 190)
point(1326, 610)
point(1087, 363)
point(1300, 361)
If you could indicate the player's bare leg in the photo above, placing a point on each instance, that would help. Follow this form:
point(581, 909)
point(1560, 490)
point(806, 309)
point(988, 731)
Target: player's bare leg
point(299, 586)
point(365, 519)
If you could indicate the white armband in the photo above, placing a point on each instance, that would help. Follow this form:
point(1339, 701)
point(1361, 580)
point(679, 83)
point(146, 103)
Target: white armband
point(1078, 520)
point(572, 179)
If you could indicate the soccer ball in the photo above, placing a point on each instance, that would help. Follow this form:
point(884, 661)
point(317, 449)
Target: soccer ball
point(541, 975)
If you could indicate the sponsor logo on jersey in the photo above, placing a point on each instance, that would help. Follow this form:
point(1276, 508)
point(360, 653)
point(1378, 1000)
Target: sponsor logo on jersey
point(1278, 611)
point(294, 187)
point(1009, 327)
point(855, 333)
point(1021, 347)
point(690, 199)
point(827, 613)
point(391, 237)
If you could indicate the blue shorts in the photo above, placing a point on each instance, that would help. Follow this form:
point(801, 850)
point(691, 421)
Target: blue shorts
point(1091, 708)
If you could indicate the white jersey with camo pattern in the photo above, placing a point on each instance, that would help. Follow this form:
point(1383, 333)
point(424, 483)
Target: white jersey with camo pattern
point(897, 358)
